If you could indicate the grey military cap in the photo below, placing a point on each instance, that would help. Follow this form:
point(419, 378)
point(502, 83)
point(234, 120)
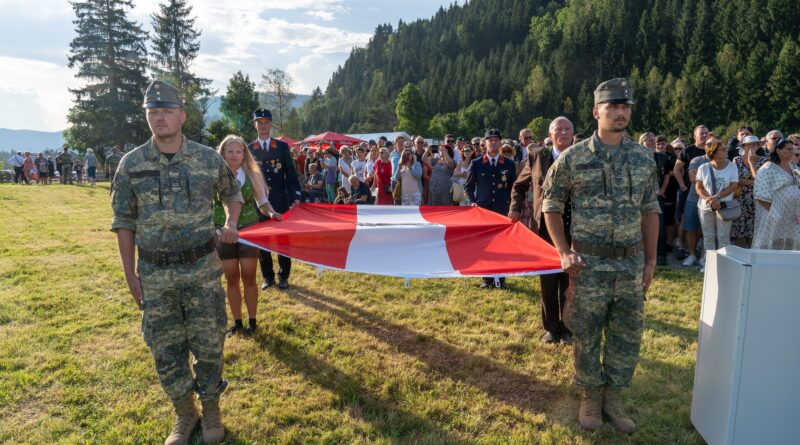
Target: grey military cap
point(614, 91)
point(161, 94)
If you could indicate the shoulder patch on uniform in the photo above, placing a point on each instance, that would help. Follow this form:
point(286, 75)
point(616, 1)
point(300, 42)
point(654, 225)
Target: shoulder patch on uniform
point(144, 174)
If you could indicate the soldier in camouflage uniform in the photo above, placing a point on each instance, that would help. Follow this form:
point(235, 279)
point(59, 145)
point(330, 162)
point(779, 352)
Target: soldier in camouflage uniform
point(65, 158)
point(614, 189)
point(112, 161)
point(162, 202)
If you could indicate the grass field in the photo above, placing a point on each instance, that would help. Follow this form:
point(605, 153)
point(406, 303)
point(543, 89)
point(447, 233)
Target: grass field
point(340, 359)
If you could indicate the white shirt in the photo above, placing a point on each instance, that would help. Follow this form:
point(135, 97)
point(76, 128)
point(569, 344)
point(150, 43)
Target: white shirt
point(360, 168)
point(556, 152)
point(724, 178)
point(261, 143)
point(241, 177)
point(493, 160)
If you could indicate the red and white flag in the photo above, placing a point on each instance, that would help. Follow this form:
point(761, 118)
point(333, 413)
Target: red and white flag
point(406, 241)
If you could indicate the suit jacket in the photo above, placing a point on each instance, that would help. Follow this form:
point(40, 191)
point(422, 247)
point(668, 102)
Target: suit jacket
point(490, 187)
point(280, 173)
point(534, 172)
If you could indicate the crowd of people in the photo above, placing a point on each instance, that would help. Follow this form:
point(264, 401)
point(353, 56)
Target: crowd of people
point(65, 168)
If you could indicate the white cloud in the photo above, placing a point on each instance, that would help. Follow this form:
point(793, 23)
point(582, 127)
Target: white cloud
point(37, 92)
point(310, 72)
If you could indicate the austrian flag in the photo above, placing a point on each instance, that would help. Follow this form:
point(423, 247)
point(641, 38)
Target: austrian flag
point(406, 241)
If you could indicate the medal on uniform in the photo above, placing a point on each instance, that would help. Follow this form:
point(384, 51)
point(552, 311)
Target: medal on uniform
point(499, 186)
point(277, 166)
point(275, 170)
point(504, 179)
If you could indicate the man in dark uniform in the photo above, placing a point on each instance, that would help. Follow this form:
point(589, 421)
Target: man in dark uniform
point(275, 160)
point(553, 286)
point(489, 186)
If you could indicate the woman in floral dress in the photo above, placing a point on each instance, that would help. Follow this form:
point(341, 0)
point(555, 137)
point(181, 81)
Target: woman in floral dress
point(747, 164)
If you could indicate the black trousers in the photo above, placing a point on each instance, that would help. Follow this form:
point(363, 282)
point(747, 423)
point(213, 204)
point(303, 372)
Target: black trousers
point(267, 271)
point(265, 258)
point(19, 175)
point(554, 296)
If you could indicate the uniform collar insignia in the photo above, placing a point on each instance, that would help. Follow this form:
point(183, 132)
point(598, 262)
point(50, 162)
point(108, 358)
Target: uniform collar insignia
point(485, 159)
point(273, 144)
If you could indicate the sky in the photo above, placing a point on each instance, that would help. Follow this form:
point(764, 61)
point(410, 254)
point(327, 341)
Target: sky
point(308, 39)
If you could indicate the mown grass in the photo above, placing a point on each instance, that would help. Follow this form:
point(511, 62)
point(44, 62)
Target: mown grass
point(344, 358)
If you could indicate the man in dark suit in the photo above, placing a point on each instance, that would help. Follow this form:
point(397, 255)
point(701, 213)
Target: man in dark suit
point(489, 185)
point(279, 171)
point(553, 286)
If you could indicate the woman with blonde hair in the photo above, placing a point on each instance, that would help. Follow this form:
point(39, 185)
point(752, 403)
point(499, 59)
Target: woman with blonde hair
point(240, 261)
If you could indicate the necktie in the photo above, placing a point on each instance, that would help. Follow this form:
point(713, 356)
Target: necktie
point(493, 162)
point(264, 145)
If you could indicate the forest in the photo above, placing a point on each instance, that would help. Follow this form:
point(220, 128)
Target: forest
point(508, 64)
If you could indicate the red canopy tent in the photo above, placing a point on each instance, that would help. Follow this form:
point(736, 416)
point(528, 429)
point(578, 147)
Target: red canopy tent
point(287, 139)
point(328, 138)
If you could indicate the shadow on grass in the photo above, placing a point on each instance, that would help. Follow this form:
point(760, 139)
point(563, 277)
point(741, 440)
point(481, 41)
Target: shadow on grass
point(390, 420)
point(671, 329)
point(499, 382)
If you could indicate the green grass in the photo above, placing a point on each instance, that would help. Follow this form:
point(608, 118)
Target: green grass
point(342, 359)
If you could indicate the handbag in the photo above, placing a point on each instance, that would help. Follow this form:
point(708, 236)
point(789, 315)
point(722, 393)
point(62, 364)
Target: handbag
point(458, 192)
point(729, 210)
point(397, 193)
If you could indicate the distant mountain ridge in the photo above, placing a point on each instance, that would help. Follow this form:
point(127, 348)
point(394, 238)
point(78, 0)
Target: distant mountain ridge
point(37, 141)
point(30, 140)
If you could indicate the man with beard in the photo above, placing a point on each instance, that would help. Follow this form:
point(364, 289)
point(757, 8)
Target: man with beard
point(613, 187)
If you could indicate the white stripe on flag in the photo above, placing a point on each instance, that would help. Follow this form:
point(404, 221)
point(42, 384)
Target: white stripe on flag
point(397, 240)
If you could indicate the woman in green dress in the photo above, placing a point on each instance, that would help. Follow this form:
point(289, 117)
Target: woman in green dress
point(240, 261)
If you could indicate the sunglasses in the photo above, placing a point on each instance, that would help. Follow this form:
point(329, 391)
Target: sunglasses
point(468, 150)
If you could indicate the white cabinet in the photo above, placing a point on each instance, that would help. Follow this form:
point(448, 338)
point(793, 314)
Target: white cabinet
point(747, 376)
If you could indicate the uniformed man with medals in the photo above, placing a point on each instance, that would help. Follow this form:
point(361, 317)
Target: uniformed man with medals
point(275, 160)
point(489, 186)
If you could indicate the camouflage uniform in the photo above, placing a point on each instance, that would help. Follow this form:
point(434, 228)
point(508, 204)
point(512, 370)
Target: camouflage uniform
point(610, 195)
point(168, 204)
point(112, 161)
point(66, 167)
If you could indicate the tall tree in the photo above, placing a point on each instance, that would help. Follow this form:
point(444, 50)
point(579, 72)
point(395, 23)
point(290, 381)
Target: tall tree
point(175, 45)
point(238, 104)
point(109, 53)
point(277, 85)
point(411, 110)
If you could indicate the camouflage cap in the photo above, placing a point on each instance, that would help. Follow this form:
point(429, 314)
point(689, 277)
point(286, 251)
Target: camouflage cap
point(161, 94)
point(614, 91)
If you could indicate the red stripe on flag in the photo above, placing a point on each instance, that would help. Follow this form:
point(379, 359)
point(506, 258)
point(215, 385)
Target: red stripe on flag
point(484, 243)
point(314, 233)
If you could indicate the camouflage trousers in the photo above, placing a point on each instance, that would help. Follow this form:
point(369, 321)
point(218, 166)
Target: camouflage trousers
point(66, 173)
point(184, 312)
point(606, 304)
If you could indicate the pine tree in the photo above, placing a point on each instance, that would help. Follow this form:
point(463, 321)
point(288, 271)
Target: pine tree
point(110, 55)
point(176, 42)
point(238, 104)
point(411, 110)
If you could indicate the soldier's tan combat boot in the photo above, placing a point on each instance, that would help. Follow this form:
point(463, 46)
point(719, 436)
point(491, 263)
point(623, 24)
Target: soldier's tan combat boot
point(589, 413)
point(213, 431)
point(612, 406)
point(186, 417)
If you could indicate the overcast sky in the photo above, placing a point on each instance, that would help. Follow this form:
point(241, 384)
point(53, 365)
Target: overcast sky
point(306, 38)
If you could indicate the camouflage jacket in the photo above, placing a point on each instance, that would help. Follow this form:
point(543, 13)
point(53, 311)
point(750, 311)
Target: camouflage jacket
point(65, 158)
point(112, 161)
point(169, 203)
point(610, 194)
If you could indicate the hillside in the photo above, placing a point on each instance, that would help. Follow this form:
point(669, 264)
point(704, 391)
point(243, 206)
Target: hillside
point(504, 62)
point(29, 140)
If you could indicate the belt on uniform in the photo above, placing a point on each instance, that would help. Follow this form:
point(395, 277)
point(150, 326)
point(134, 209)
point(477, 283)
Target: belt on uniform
point(610, 251)
point(165, 258)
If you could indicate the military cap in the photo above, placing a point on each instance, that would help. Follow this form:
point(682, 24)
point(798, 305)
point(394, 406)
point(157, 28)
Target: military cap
point(262, 113)
point(160, 94)
point(492, 133)
point(614, 91)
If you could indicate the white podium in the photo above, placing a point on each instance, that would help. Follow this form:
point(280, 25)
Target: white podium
point(747, 377)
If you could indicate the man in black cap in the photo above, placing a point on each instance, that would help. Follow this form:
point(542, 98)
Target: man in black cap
point(278, 168)
point(489, 186)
